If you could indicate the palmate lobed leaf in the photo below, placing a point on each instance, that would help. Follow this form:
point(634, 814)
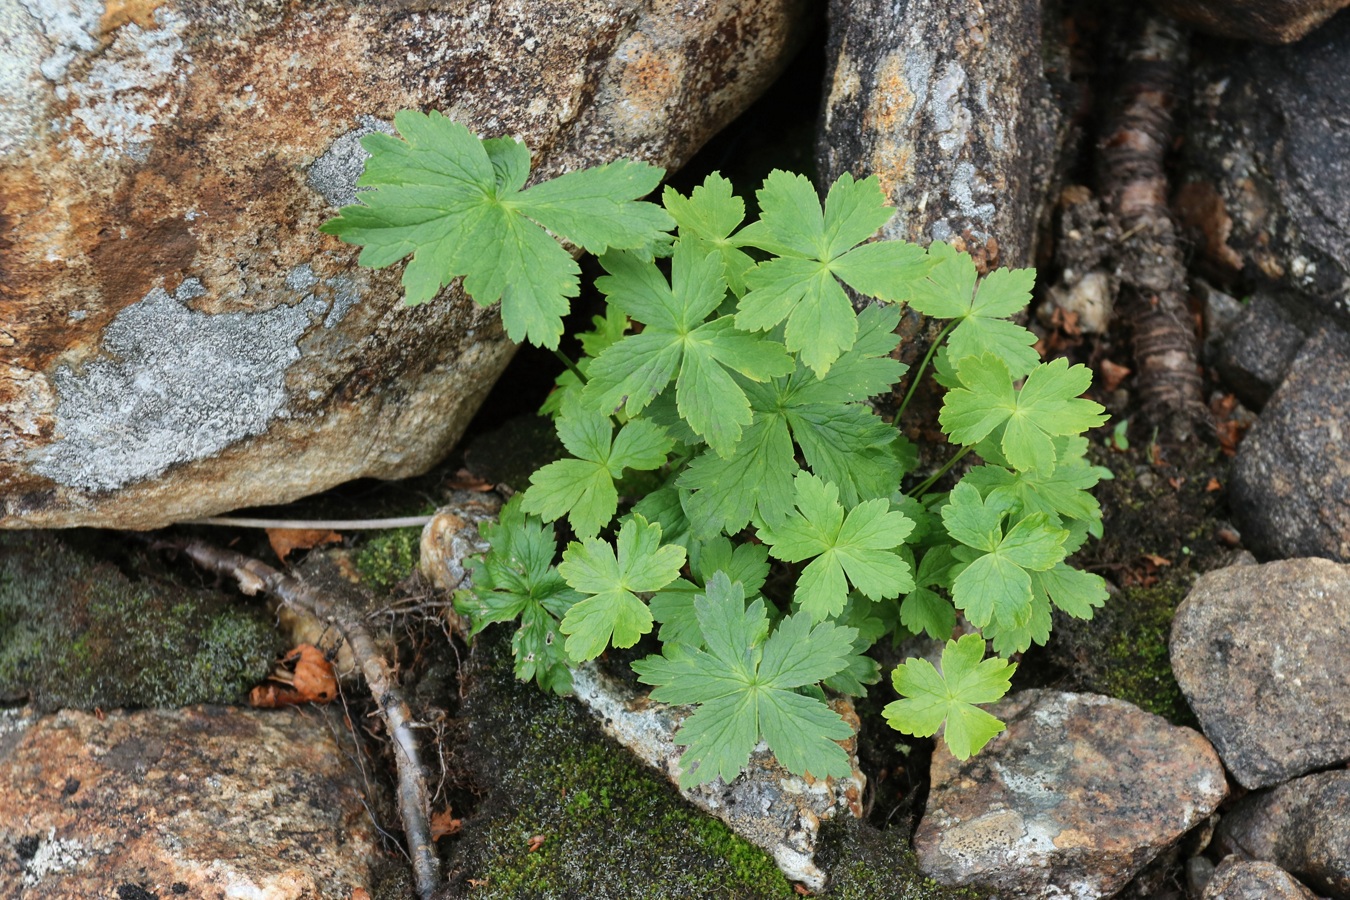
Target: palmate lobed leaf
point(678, 343)
point(930, 698)
point(614, 576)
point(745, 686)
point(816, 253)
point(456, 204)
point(858, 547)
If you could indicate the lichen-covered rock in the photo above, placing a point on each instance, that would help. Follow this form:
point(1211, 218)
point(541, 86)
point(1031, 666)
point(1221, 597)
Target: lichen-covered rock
point(78, 633)
point(1267, 171)
point(1259, 652)
point(1267, 21)
point(1239, 879)
point(1074, 799)
point(1302, 826)
point(208, 803)
point(1291, 479)
point(767, 805)
point(177, 337)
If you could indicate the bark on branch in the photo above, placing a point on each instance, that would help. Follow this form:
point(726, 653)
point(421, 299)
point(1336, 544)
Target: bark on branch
point(1149, 258)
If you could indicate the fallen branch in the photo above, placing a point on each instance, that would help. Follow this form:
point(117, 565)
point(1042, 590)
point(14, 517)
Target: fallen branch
point(313, 524)
point(253, 577)
point(1148, 256)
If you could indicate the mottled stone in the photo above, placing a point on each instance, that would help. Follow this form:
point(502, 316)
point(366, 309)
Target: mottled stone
point(450, 538)
point(1302, 826)
point(1267, 21)
point(206, 802)
point(1240, 879)
point(1291, 479)
point(1259, 652)
point(1267, 163)
point(1259, 347)
point(177, 337)
point(1073, 800)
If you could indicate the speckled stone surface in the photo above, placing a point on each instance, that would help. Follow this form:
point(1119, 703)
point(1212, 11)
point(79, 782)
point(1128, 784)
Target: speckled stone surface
point(1259, 652)
point(1302, 826)
point(206, 802)
point(1240, 879)
point(176, 336)
point(1075, 798)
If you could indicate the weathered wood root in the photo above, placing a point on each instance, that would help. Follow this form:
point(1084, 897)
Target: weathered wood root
point(254, 576)
point(1149, 258)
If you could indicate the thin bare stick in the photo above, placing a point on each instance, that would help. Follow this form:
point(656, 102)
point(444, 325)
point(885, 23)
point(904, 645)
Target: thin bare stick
point(414, 804)
point(314, 524)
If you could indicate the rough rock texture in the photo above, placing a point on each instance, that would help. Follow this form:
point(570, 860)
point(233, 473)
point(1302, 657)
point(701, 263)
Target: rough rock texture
point(1267, 165)
point(178, 338)
point(1302, 826)
point(1077, 796)
point(767, 805)
point(950, 105)
point(452, 536)
point(1259, 652)
point(1239, 879)
point(1291, 478)
point(1258, 348)
point(205, 802)
point(1268, 21)
point(77, 632)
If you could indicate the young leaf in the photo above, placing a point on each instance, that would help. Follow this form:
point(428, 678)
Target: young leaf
point(673, 607)
point(583, 489)
point(613, 579)
point(995, 585)
point(860, 546)
point(923, 609)
point(746, 687)
point(982, 326)
point(706, 219)
point(930, 698)
point(517, 580)
point(677, 343)
point(1059, 493)
point(815, 252)
point(1048, 405)
point(455, 204)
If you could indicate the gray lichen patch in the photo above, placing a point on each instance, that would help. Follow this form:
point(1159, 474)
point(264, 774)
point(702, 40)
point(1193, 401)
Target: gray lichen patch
point(334, 174)
point(172, 385)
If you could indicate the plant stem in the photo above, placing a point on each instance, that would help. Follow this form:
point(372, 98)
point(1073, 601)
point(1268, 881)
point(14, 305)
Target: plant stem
point(923, 366)
point(923, 488)
point(571, 366)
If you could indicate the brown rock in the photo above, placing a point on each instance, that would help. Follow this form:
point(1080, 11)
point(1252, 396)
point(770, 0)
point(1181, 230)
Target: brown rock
point(1074, 799)
point(178, 338)
point(1259, 652)
point(1239, 879)
point(1302, 826)
point(1267, 21)
point(222, 802)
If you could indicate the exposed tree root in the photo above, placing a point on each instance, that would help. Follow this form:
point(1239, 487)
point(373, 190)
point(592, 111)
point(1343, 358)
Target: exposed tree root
point(1148, 257)
point(254, 576)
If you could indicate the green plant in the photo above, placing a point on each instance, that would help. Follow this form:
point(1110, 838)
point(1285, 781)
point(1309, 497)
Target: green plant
point(730, 397)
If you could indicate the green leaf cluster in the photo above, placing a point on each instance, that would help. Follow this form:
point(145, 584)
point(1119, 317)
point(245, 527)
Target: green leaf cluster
point(733, 365)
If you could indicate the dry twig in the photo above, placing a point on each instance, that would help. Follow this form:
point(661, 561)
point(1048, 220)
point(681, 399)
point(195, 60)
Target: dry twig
point(1148, 255)
point(414, 805)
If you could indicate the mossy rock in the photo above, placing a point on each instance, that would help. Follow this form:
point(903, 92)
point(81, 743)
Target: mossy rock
point(77, 633)
point(610, 826)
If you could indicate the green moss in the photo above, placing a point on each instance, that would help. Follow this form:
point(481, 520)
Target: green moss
point(388, 557)
point(612, 827)
point(78, 633)
point(867, 864)
point(1123, 651)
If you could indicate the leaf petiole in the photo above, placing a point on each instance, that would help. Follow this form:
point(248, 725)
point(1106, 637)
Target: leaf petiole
point(946, 467)
point(571, 366)
point(923, 366)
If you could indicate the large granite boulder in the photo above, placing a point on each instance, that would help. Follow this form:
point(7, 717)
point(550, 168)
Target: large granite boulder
point(176, 336)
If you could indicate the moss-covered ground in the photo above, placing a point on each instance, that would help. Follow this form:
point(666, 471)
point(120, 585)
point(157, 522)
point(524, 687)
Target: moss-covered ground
point(566, 813)
point(77, 632)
